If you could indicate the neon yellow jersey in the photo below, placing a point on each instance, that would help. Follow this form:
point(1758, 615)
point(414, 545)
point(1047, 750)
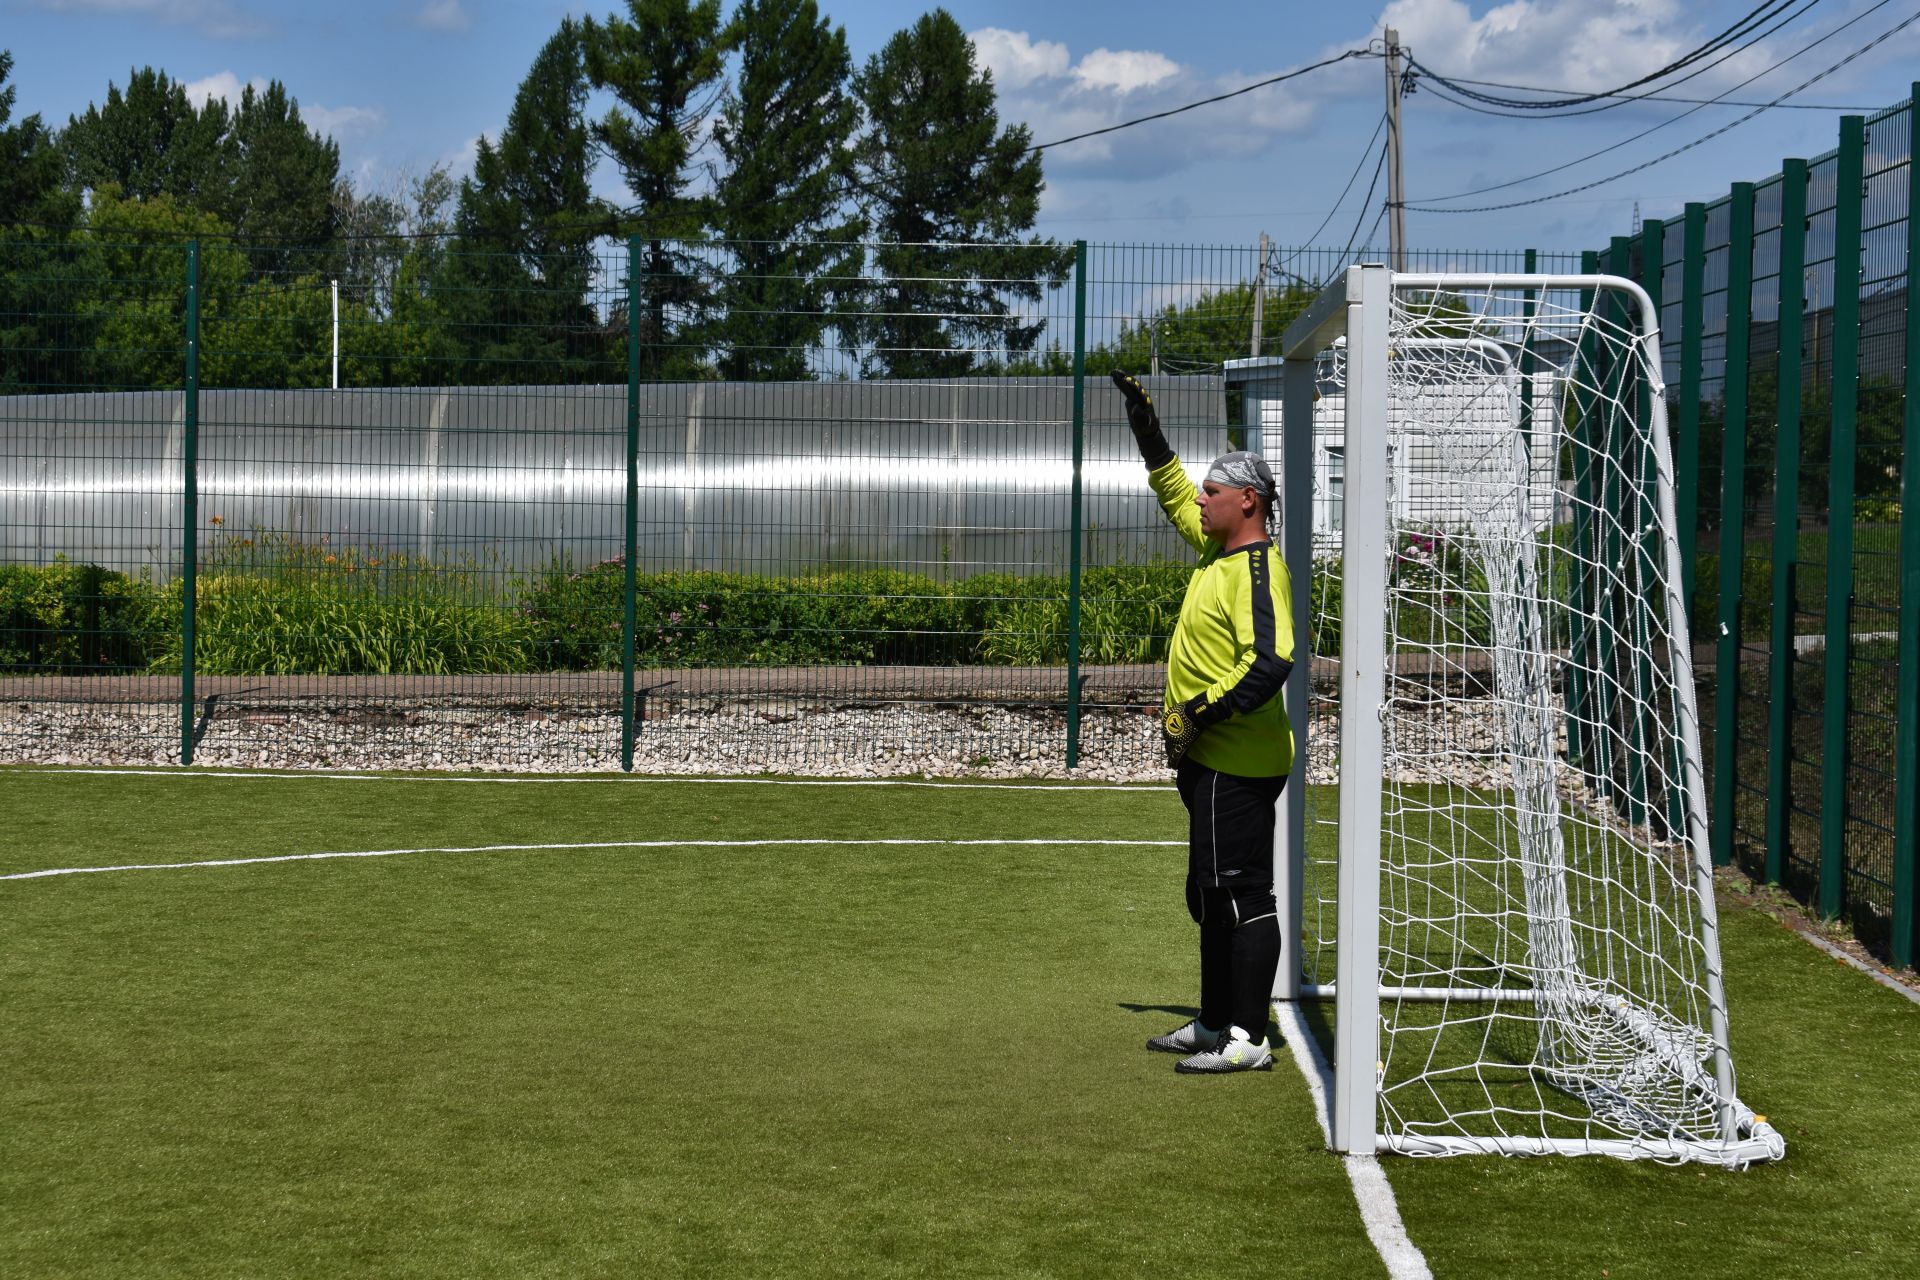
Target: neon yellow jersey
point(1233, 643)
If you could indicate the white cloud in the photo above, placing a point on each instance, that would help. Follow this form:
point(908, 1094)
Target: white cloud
point(1016, 60)
point(220, 19)
point(1124, 70)
point(222, 84)
point(443, 15)
point(341, 122)
point(335, 122)
point(459, 162)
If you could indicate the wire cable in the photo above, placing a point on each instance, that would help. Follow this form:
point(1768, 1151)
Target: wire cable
point(1366, 204)
point(1755, 17)
point(1502, 186)
point(1204, 102)
point(1662, 97)
point(1342, 198)
point(1734, 124)
point(1617, 99)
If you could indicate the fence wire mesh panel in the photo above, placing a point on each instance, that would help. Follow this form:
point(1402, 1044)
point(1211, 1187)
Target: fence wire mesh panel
point(404, 503)
point(1820, 347)
point(1548, 959)
point(1873, 626)
point(92, 416)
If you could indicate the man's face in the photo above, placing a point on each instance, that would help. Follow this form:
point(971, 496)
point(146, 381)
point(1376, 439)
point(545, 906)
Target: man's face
point(1221, 507)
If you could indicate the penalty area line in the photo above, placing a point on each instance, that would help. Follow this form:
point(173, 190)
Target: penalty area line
point(1379, 1212)
point(623, 780)
point(586, 844)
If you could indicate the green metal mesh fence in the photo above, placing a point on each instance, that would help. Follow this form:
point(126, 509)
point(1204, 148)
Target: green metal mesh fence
point(1821, 764)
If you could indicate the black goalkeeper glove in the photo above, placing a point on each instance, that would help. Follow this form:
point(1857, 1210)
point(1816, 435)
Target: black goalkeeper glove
point(1154, 449)
point(1180, 725)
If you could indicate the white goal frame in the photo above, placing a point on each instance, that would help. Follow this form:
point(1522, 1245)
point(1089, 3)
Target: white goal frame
point(1356, 306)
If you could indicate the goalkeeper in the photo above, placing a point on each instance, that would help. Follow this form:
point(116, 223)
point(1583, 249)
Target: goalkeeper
point(1226, 733)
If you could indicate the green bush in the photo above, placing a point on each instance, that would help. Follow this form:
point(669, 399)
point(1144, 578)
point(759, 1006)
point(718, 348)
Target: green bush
point(67, 617)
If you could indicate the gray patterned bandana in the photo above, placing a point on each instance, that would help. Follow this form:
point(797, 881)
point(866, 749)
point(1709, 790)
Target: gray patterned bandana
point(1243, 470)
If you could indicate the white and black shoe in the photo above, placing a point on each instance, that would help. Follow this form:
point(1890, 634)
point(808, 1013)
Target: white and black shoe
point(1191, 1038)
point(1234, 1051)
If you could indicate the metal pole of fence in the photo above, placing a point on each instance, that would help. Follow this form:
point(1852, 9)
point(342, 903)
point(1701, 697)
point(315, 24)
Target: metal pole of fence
point(1531, 305)
point(1649, 548)
point(1848, 200)
point(1786, 516)
point(1579, 685)
point(1079, 450)
point(1686, 462)
point(1906, 754)
point(1733, 519)
point(1626, 617)
point(629, 588)
point(190, 501)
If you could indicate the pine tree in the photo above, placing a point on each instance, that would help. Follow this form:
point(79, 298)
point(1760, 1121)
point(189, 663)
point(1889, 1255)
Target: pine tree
point(153, 141)
point(522, 259)
point(948, 192)
point(665, 67)
point(284, 177)
point(781, 202)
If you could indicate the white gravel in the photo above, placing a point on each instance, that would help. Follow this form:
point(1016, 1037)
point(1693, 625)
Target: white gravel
point(823, 740)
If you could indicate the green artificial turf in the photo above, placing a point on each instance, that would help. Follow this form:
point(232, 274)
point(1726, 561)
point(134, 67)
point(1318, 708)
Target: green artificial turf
point(779, 1060)
point(703, 1061)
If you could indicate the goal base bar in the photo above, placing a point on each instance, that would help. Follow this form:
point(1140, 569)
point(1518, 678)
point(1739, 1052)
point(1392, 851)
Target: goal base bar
point(1763, 1144)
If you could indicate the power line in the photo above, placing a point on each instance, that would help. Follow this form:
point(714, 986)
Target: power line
point(1204, 102)
point(1365, 151)
point(1365, 204)
point(1618, 99)
point(1807, 48)
point(1872, 44)
point(1758, 15)
point(1659, 97)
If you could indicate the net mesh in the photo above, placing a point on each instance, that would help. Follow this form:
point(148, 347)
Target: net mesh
point(1544, 951)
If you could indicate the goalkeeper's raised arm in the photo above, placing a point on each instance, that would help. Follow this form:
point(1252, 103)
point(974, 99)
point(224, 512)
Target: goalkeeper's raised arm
point(1226, 733)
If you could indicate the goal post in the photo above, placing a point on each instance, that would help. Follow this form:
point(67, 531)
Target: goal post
point(1511, 900)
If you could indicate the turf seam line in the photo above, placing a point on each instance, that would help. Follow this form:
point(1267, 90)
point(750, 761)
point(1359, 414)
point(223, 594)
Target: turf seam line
point(304, 776)
point(773, 843)
point(1379, 1211)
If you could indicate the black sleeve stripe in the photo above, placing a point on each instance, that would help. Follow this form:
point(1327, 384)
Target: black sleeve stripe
point(1268, 674)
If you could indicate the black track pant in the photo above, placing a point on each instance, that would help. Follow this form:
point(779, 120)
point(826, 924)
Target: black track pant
point(1230, 893)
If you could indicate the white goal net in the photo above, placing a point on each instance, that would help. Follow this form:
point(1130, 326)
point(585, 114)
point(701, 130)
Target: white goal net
point(1518, 926)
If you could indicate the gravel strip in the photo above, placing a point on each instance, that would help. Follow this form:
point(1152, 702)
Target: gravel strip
point(796, 736)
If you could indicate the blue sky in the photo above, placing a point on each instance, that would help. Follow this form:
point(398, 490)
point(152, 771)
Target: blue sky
point(406, 85)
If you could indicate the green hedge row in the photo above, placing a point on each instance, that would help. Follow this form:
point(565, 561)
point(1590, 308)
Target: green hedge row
point(362, 614)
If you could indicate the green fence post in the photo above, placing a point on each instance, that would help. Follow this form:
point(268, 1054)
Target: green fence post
point(629, 589)
point(1527, 364)
point(1906, 750)
point(1846, 394)
point(1686, 445)
point(190, 504)
point(1733, 502)
point(1629, 615)
point(1079, 448)
point(1786, 516)
point(1579, 638)
point(1651, 547)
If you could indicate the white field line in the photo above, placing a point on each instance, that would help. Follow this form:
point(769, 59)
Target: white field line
point(590, 844)
point(624, 781)
point(1378, 1210)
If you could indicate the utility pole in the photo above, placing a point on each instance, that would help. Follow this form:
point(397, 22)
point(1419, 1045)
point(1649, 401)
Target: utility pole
point(1259, 297)
point(1396, 198)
